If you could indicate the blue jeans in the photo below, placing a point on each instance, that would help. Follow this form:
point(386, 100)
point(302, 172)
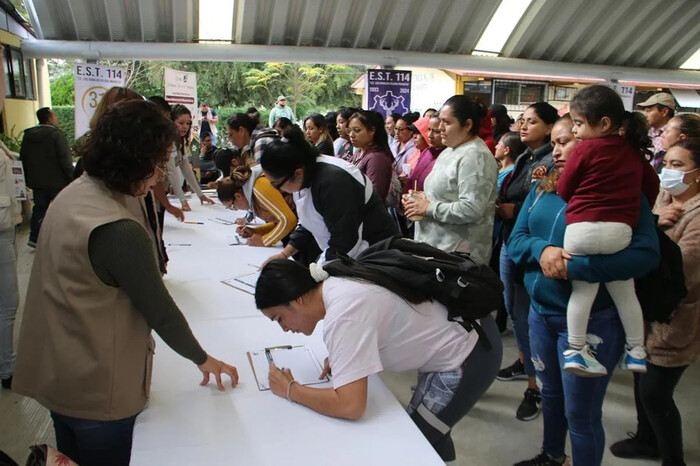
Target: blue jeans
point(518, 305)
point(42, 199)
point(569, 401)
point(9, 300)
point(89, 442)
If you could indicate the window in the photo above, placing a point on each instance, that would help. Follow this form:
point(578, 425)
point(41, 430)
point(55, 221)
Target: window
point(19, 78)
point(508, 92)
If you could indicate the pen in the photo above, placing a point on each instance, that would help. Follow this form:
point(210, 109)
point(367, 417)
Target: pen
point(269, 357)
point(195, 223)
point(179, 244)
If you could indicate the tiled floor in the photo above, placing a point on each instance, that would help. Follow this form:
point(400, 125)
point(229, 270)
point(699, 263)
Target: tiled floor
point(489, 435)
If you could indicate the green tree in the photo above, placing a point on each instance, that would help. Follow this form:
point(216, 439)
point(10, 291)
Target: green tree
point(63, 90)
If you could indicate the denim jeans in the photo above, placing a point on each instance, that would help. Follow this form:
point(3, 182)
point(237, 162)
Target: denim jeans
point(42, 199)
point(9, 300)
point(518, 305)
point(569, 401)
point(94, 443)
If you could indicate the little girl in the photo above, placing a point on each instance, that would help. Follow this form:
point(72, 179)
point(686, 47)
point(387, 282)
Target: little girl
point(602, 183)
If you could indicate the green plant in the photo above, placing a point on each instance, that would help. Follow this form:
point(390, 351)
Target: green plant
point(12, 141)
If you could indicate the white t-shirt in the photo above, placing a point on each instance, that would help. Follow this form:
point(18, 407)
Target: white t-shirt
point(368, 328)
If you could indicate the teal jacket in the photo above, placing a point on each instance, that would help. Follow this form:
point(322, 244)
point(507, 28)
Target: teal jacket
point(542, 223)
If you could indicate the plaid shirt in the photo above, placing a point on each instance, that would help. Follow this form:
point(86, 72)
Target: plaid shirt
point(657, 148)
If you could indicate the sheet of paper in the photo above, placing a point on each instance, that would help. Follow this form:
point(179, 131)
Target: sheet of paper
point(244, 283)
point(301, 360)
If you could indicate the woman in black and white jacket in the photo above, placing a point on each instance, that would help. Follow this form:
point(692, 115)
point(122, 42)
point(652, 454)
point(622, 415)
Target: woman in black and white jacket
point(336, 204)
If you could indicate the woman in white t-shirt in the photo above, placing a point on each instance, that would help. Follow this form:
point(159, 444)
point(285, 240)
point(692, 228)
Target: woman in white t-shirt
point(373, 323)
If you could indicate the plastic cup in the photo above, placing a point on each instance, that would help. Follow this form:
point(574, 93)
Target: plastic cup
point(416, 195)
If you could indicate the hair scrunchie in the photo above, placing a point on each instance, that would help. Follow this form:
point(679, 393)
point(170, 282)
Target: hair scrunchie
point(317, 272)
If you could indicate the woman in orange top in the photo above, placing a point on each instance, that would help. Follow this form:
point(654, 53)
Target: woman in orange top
point(248, 189)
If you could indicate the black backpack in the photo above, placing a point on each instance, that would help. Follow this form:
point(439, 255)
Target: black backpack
point(469, 290)
point(661, 290)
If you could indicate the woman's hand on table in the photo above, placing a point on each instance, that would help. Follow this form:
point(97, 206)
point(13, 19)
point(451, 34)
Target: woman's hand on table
point(216, 367)
point(669, 215)
point(415, 203)
point(245, 231)
point(273, 258)
point(240, 221)
point(279, 380)
point(205, 200)
point(175, 212)
point(326, 370)
point(186, 206)
point(506, 210)
point(553, 262)
point(255, 240)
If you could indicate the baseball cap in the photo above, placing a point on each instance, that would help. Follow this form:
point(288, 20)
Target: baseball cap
point(281, 97)
point(662, 98)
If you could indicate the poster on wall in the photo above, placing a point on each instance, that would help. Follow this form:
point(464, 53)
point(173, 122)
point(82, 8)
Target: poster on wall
point(181, 88)
point(626, 93)
point(91, 82)
point(20, 185)
point(388, 91)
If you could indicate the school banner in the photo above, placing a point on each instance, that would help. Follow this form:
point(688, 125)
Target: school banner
point(181, 88)
point(20, 185)
point(91, 82)
point(626, 93)
point(388, 91)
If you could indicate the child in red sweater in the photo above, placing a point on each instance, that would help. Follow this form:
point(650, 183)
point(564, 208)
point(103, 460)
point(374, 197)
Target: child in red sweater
point(603, 182)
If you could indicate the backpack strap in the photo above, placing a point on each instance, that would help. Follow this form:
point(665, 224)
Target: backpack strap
point(474, 325)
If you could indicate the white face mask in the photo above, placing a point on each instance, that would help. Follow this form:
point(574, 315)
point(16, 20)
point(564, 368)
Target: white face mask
point(672, 181)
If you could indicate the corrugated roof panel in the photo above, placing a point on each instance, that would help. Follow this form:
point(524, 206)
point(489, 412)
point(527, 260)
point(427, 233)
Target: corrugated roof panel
point(586, 21)
point(338, 20)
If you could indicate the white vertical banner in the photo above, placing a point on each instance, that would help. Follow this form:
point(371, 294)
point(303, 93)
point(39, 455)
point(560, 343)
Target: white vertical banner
point(181, 88)
point(20, 185)
point(91, 82)
point(626, 93)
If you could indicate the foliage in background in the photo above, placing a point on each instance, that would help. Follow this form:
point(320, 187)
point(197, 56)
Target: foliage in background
point(12, 141)
point(63, 90)
point(66, 120)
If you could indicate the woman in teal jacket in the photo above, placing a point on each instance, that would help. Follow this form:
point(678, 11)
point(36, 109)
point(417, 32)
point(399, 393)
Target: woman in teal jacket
point(572, 402)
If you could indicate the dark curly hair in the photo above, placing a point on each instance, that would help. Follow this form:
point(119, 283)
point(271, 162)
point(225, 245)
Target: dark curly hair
point(127, 142)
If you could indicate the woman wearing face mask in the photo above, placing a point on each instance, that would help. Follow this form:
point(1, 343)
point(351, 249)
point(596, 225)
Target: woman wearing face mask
point(247, 190)
point(530, 166)
point(85, 348)
point(337, 205)
point(569, 402)
point(179, 159)
point(674, 346)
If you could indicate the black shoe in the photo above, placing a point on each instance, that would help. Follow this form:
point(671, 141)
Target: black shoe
point(542, 459)
point(515, 371)
point(7, 383)
point(634, 447)
point(530, 407)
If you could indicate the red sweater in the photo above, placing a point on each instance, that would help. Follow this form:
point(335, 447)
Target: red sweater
point(603, 181)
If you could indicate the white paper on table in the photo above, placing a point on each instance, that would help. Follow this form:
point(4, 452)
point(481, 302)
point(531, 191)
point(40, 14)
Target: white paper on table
point(222, 221)
point(301, 360)
point(244, 282)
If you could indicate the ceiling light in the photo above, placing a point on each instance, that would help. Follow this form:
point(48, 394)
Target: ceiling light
point(692, 63)
point(501, 25)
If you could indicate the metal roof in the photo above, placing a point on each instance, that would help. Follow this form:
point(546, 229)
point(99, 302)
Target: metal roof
point(648, 34)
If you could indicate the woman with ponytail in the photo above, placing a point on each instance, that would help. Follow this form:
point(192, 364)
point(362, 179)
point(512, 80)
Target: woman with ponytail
point(248, 189)
point(603, 184)
point(338, 210)
point(410, 333)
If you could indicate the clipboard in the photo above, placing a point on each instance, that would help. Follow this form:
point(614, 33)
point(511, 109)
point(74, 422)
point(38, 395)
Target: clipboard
point(245, 282)
point(301, 360)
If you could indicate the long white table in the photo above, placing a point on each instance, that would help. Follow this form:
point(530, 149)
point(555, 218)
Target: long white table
point(185, 424)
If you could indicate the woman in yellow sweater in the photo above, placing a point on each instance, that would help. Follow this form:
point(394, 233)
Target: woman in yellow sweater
point(248, 189)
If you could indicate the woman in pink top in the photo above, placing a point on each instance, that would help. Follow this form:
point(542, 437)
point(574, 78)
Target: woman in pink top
point(373, 156)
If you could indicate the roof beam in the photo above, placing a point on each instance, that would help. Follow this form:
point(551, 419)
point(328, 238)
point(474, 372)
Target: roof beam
point(260, 53)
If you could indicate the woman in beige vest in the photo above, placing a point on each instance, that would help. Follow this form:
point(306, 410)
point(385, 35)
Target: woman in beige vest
point(95, 292)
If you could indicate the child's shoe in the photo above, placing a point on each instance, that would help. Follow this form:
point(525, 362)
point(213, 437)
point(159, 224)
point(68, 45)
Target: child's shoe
point(634, 359)
point(582, 363)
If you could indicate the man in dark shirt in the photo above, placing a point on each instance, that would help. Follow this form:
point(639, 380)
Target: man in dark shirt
point(48, 165)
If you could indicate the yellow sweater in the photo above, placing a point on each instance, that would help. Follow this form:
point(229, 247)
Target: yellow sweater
point(271, 207)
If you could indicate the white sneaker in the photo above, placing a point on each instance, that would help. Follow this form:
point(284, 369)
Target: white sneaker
point(583, 363)
point(634, 359)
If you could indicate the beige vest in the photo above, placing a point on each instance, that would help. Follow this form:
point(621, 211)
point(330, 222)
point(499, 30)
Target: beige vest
point(84, 351)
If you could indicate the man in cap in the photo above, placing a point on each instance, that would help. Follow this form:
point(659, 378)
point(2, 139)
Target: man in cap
point(659, 109)
point(280, 110)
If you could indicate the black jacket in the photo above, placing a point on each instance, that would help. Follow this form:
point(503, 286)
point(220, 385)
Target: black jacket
point(530, 167)
point(340, 200)
point(46, 158)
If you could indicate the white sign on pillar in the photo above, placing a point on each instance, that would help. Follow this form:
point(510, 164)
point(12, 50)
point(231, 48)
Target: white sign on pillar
point(626, 93)
point(91, 82)
point(181, 88)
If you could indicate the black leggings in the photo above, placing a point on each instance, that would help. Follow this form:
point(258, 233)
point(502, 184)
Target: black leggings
point(436, 419)
point(658, 419)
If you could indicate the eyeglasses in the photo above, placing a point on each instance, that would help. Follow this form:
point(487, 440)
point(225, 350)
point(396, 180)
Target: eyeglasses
point(278, 184)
